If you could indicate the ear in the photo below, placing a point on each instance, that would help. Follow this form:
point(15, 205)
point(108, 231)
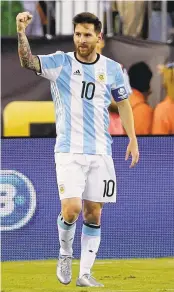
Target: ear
point(100, 37)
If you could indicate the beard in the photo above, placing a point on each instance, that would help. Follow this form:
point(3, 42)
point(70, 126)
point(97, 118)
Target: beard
point(84, 51)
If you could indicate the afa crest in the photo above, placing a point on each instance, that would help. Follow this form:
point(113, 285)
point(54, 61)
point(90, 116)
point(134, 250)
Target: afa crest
point(101, 77)
point(61, 189)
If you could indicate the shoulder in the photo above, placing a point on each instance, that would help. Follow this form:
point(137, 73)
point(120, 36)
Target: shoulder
point(66, 57)
point(113, 64)
point(69, 55)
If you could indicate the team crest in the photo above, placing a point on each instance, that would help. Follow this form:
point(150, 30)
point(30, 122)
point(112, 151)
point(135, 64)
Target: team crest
point(61, 189)
point(101, 77)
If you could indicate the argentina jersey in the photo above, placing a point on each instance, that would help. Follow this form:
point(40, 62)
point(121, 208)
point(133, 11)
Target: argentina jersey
point(81, 94)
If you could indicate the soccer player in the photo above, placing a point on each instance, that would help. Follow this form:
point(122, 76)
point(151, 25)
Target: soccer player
point(81, 85)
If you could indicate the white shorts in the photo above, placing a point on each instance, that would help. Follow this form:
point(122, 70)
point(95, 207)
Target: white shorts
point(89, 177)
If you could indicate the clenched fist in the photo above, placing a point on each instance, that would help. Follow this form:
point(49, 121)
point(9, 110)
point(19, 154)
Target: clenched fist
point(23, 20)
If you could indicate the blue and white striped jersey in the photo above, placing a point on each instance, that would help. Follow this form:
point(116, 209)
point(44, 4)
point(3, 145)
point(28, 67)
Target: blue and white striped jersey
point(82, 93)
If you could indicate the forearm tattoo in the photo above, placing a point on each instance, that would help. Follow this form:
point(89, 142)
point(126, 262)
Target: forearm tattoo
point(27, 60)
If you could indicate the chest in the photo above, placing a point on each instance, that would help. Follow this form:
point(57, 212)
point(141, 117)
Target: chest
point(88, 82)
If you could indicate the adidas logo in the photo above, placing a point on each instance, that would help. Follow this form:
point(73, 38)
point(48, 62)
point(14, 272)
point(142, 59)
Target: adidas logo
point(77, 73)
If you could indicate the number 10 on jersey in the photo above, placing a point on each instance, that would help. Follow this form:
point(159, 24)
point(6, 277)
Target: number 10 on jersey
point(88, 90)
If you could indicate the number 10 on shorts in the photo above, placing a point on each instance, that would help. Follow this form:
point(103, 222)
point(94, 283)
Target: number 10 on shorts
point(109, 187)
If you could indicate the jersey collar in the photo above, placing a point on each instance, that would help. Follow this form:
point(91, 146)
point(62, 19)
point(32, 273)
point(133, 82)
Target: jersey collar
point(98, 57)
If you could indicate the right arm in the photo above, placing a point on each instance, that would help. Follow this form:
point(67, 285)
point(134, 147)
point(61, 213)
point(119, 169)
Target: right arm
point(27, 60)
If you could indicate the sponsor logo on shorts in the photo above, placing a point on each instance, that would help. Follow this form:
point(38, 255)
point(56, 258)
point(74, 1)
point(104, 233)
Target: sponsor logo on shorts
point(61, 189)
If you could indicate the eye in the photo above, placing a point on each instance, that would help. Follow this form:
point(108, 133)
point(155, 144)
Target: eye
point(77, 34)
point(88, 35)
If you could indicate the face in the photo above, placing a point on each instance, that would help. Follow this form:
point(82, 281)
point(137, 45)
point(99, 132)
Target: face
point(85, 39)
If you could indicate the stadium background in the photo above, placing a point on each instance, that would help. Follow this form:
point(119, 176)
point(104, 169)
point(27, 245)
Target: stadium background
point(23, 85)
point(140, 225)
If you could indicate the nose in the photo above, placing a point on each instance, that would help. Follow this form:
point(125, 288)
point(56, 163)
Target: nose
point(82, 39)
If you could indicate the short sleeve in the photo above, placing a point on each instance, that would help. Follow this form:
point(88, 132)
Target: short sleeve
point(126, 81)
point(119, 88)
point(51, 65)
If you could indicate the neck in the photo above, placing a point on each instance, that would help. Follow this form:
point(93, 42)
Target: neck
point(88, 59)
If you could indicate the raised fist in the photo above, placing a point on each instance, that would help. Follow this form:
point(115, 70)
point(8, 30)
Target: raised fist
point(23, 20)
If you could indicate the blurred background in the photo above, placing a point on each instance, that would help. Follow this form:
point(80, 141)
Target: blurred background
point(138, 34)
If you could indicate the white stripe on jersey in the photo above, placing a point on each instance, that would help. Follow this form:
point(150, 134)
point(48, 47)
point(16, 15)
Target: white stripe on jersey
point(58, 108)
point(51, 74)
point(76, 108)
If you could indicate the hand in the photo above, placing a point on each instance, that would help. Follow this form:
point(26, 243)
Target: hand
point(132, 149)
point(23, 20)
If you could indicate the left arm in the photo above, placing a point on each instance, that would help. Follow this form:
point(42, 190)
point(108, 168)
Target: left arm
point(127, 119)
point(120, 91)
point(113, 108)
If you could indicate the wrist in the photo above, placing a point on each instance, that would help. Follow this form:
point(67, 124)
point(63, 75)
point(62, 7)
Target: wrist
point(133, 138)
point(21, 30)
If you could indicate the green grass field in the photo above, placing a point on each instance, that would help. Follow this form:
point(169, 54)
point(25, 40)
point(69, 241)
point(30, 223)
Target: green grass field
point(132, 275)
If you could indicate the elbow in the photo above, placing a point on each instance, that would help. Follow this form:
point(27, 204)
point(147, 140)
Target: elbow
point(24, 64)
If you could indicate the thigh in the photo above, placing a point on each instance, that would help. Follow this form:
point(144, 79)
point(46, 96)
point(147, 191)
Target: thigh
point(101, 180)
point(70, 175)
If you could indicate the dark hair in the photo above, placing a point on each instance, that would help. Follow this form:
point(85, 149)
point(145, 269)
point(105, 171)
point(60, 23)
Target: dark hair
point(140, 75)
point(87, 17)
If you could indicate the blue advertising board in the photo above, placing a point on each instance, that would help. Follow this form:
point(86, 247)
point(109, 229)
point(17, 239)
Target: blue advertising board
point(140, 224)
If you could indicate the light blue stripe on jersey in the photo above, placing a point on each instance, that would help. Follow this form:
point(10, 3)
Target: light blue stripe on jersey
point(52, 61)
point(119, 76)
point(89, 145)
point(110, 67)
point(63, 83)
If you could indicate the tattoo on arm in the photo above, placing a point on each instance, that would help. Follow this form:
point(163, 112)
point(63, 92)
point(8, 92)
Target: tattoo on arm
point(27, 60)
